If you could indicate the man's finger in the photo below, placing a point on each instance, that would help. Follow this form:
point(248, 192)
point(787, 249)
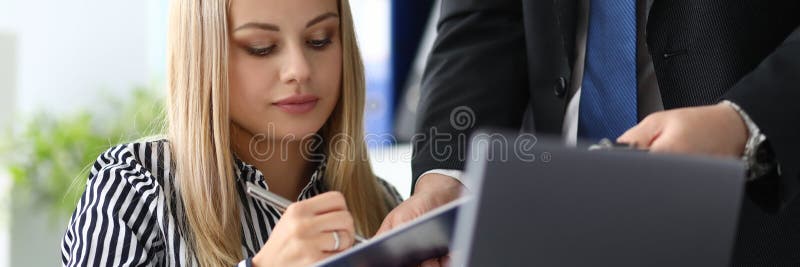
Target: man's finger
point(431, 263)
point(401, 214)
point(670, 143)
point(444, 261)
point(643, 134)
point(388, 223)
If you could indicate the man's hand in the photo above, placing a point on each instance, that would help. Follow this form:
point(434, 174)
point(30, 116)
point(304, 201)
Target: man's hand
point(432, 190)
point(707, 130)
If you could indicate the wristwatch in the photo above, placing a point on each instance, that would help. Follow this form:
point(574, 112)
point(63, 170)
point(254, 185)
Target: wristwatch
point(758, 155)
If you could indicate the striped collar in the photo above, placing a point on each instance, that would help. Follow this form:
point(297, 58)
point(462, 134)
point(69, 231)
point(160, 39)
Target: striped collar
point(246, 172)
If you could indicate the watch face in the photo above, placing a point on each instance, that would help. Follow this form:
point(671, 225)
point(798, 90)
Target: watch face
point(761, 160)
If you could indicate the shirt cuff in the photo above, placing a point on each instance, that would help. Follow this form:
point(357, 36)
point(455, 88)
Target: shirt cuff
point(455, 174)
point(246, 263)
point(755, 138)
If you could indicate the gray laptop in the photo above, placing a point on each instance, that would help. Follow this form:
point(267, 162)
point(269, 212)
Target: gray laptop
point(536, 203)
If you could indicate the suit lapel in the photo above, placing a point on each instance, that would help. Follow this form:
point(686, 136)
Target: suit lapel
point(648, 95)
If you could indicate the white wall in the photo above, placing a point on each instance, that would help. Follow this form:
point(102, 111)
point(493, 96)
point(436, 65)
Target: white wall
point(8, 77)
point(8, 45)
point(68, 50)
point(393, 164)
point(69, 55)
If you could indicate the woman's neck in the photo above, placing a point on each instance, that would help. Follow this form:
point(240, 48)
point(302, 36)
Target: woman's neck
point(285, 169)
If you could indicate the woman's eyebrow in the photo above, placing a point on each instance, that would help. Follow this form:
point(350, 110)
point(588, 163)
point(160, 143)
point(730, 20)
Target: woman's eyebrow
point(273, 27)
point(320, 18)
point(259, 25)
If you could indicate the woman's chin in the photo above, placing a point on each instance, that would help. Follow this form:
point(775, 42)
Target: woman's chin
point(297, 132)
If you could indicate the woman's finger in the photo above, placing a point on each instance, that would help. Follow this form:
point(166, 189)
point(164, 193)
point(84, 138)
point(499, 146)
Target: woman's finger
point(332, 242)
point(322, 203)
point(337, 220)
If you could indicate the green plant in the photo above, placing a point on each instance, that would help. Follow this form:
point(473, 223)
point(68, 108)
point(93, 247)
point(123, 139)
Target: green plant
point(49, 156)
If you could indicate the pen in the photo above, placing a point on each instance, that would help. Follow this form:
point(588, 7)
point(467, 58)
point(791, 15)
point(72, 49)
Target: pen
point(279, 202)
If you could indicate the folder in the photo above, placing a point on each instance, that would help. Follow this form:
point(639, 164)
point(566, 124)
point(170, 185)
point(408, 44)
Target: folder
point(426, 237)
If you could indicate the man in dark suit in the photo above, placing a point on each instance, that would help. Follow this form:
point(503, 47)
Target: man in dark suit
point(713, 77)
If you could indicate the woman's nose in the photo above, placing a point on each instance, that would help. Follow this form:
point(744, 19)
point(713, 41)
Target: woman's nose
point(296, 68)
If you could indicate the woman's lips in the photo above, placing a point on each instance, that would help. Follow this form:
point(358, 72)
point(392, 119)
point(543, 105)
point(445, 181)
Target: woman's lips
point(297, 104)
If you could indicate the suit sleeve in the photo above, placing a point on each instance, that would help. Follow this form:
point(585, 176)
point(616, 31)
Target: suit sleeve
point(475, 77)
point(770, 95)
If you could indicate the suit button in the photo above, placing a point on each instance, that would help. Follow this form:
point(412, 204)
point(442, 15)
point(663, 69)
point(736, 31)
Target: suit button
point(560, 88)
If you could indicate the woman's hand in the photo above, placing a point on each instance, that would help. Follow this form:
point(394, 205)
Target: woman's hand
point(308, 232)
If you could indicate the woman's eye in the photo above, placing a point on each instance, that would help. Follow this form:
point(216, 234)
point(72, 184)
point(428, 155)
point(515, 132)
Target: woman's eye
point(319, 44)
point(260, 51)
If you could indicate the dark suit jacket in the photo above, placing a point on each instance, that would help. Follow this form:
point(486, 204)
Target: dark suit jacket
point(512, 59)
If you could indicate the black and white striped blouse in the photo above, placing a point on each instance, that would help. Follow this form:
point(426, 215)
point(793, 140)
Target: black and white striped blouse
point(122, 218)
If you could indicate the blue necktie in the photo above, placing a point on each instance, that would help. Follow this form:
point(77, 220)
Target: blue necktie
point(608, 93)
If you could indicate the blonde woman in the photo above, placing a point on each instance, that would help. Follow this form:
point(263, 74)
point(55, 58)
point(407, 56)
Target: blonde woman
point(252, 83)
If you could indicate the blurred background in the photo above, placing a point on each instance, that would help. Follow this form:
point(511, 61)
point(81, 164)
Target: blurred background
point(66, 66)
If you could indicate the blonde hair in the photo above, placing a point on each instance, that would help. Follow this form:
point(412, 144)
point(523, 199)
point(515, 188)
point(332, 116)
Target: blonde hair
point(199, 132)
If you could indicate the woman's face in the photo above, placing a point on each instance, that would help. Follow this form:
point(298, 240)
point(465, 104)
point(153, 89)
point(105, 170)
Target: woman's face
point(285, 65)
